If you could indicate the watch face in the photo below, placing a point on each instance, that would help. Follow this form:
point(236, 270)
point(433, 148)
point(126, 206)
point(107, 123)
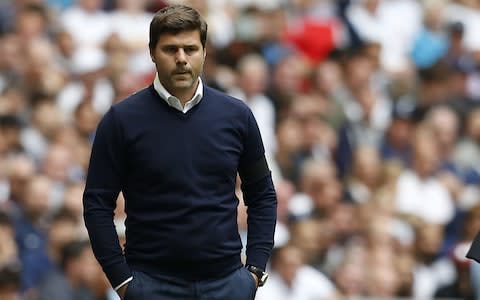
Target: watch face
point(259, 273)
point(263, 279)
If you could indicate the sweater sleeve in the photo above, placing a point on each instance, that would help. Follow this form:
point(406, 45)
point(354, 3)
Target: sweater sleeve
point(259, 196)
point(104, 181)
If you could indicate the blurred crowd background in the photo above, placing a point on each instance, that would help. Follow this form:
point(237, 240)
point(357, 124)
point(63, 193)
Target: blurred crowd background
point(369, 112)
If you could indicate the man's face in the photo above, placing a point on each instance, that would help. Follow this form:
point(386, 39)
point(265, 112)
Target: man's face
point(179, 61)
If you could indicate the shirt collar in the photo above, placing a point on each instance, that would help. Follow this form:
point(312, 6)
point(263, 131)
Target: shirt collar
point(174, 101)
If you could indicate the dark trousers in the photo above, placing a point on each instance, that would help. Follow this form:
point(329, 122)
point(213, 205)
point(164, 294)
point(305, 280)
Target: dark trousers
point(239, 285)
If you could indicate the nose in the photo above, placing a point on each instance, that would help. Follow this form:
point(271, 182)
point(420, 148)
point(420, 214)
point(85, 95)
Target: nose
point(180, 57)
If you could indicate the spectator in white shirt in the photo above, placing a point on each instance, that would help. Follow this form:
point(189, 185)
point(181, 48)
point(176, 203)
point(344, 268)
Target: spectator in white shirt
point(292, 279)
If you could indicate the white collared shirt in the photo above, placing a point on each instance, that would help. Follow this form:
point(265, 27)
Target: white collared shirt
point(174, 101)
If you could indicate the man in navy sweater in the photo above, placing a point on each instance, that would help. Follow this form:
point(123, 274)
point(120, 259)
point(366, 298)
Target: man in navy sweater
point(174, 150)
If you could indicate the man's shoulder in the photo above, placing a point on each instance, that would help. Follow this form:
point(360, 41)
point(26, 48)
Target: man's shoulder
point(223, 99)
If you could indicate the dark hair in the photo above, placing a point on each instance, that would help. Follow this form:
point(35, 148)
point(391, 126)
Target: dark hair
point(5, 219)
point(174, 19)
point(10, 275)
point(73, 250)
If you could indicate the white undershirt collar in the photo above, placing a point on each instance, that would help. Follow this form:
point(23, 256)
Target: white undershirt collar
point(174, 101)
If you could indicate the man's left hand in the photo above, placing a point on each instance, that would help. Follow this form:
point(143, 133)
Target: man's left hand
point(255, 278)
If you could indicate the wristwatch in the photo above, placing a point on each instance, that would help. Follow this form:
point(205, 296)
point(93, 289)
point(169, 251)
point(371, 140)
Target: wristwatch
point(262, 276)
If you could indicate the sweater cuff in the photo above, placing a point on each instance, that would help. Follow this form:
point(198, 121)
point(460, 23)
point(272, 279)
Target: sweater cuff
point(123, 283)
point(257, 260)
point(118, 274)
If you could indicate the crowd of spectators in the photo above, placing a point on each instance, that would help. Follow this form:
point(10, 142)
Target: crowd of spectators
point(369, 112)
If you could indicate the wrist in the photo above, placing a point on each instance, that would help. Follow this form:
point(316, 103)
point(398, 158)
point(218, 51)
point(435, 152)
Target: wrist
point(259, 274)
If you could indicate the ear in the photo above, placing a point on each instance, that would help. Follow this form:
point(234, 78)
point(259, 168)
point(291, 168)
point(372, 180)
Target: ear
point(152, 57)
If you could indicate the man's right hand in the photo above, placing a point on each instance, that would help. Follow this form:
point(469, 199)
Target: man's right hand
point(121, 291)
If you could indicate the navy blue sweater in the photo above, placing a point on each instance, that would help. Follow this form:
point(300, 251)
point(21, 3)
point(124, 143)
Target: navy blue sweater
point(177, 172)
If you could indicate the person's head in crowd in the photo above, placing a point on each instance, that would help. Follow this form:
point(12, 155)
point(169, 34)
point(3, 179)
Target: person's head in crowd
point(9, 134)
point(433, 86)
point(319, 181)
point(367, 166)
point(42, 77)
point(10, 282)
point(372, 50)
point(286, 261)
point(13, 99)
point(21, 169)
point(58, 163)
point(288, 79)
point(313, 237)
point(350, 274)
point(11, 54)
point(32, 22)
point(306, 109)
point(79, 264)
point(36, 202)
point(426, 156)
point(341, 220)
point(86, 119)
point(8, 246)
point(357, 70)
point(327, 77)
point(399, 133)
point(252, 75)
point(428, 242)
point(445, 125)
point(289, 138)
point(456, 34)
point(63, 229)
point(47, 118)
point(310, 111)
point(434, 14)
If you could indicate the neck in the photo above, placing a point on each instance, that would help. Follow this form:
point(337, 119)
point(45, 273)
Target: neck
point(187, 94)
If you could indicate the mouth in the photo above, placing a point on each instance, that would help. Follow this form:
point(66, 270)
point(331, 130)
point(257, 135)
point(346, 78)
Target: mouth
point(181, 73)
